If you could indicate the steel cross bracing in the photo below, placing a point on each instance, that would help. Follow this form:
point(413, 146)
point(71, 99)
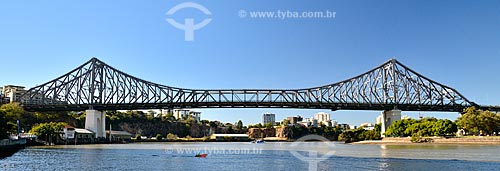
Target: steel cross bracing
point(99, 86)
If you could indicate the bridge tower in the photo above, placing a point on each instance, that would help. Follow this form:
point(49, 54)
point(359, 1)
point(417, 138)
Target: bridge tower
point(388, 117)
point(95, 121)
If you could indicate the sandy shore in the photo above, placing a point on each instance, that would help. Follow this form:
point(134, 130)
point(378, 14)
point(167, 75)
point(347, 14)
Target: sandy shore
point(437, 140)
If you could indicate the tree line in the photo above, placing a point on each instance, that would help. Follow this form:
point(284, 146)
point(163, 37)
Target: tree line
point(472, 121)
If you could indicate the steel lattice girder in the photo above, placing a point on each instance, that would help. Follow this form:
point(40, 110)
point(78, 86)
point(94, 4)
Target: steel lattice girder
point(100, 86)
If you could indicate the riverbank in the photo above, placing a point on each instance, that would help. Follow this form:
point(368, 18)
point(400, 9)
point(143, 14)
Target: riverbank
point(267, 139)
point(487, 140)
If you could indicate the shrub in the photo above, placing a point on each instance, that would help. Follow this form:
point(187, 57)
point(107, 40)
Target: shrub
point(417, 138)
point(159, 137)
point(171, 136)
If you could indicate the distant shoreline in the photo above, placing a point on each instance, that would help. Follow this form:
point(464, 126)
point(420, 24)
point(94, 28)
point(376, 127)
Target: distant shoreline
point(268, 139)
point(493, 140)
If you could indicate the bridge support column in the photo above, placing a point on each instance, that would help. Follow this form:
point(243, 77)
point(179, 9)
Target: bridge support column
point(388, 117)
point(95, 121)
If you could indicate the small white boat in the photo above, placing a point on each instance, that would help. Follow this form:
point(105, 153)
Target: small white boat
point(259, 141)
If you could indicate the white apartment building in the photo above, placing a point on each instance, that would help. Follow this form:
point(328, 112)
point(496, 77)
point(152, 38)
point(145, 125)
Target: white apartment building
point(12, 92)
point(182, 114)
point(322, 117)
point(309, 122)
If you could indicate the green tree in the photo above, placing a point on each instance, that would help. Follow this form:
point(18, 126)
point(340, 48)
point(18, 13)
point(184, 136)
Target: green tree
point(205, 122)
point(369, 135)
point(138, 137)
point(469, 120)
point(48, 131)
point(358, 134)
point(285, 122)
point(159, 137)
point(213, 124)
point(473, 121)
point(490, 122)
point(169, 117)
point(171, 136)
point(348, 136)
point(443, 127)
point(13, 111)
point(378, 128)
point(3, 126)
point(424, 128)
point(398, 128)
point(321, 124)
point(428, 119)
point(151, 115)
point(239, 125)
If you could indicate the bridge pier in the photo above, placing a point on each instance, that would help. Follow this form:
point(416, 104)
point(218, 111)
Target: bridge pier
point(95, 121)
point(388, 117)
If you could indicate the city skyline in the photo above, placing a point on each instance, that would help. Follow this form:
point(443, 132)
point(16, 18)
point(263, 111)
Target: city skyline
point(437, 40)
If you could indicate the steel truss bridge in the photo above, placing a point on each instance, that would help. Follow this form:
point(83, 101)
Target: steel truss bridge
point(99, 86)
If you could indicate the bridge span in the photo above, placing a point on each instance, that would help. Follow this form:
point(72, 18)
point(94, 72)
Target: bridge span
point(96, 86)
point(391, 85)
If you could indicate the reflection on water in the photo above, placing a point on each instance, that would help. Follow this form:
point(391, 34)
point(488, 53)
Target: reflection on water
point(247, 156)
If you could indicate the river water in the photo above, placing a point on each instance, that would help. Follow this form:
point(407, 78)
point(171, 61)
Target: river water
point(248, 156)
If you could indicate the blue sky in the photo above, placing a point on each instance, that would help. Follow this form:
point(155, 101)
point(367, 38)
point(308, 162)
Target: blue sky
point(453, 42)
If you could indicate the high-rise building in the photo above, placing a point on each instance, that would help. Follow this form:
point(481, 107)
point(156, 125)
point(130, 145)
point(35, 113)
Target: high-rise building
point(268, 118)
point(322, 117)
